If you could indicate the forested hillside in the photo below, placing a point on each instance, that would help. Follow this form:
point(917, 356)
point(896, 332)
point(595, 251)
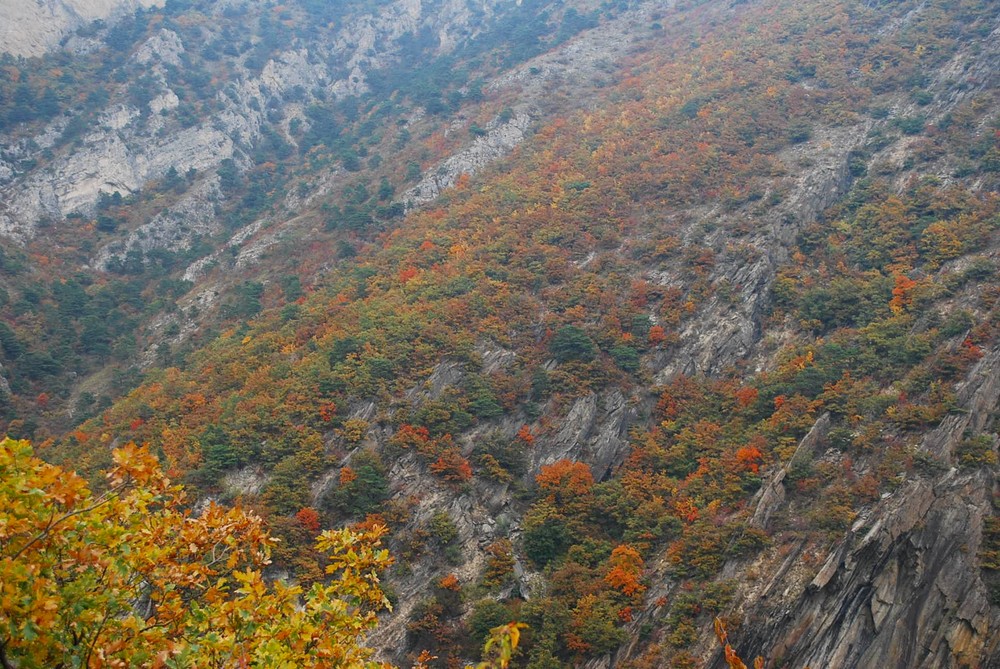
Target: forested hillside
point(620, 316)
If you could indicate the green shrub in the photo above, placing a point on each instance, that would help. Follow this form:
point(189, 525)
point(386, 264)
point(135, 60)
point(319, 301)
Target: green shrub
point(572, 343)
point(976, 452)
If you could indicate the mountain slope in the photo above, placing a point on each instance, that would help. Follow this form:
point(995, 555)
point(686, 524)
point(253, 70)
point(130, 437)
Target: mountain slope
point(236, 133)
point(34, 27)
point(716, 334)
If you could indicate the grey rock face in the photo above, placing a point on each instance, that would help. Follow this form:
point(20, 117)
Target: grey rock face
point(4, 384)
point(727, 331)
point(445, 375)
point(114, 158)
point(903, 591)
point(494, 357)
point(979, 395)
point(806, 450)
point(249, 480)
point(500, 140)
point(32, 27)
point(772, 495)
point(724, 333)
point(163, 47)
point(192, 215)
point(594, 431)
point(903, 587)
point(130, 147)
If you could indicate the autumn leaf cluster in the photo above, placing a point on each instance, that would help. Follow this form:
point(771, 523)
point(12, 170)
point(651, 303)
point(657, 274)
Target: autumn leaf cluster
point(130, 576)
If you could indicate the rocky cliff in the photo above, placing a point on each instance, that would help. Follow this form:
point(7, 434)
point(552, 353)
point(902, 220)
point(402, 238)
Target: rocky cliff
point(904, 586)
point(32, 27)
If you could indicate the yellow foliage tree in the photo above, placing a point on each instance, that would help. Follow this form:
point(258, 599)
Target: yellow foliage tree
point(130, 577)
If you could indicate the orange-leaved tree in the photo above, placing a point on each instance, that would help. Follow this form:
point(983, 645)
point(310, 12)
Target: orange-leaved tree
point(732, 659)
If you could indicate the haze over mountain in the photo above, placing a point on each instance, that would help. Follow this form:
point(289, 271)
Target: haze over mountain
point(32, 27)
point(621, 315)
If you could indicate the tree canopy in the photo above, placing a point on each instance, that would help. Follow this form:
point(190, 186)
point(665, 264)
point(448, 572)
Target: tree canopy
point(132, 576)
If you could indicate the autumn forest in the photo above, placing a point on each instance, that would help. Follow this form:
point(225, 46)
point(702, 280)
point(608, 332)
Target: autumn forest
point(713, 335)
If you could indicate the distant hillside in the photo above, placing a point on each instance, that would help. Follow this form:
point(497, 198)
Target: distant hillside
point(32, 27)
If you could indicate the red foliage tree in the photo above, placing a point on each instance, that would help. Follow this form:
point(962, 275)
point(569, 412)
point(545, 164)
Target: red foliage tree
point(309, 519)
point(452, 467)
